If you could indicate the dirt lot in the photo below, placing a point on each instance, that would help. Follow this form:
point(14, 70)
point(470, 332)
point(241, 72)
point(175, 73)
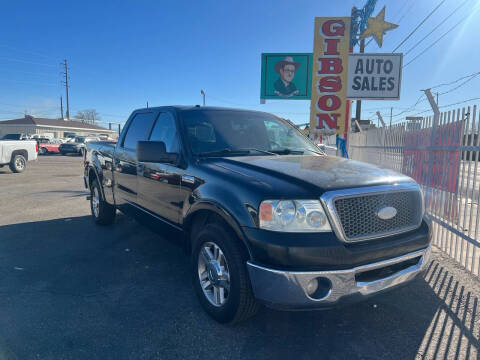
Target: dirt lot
point(73, 290)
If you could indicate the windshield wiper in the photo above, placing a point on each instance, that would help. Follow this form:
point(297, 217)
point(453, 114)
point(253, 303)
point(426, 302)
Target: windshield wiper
point(288, 151)
point(224, 152)
point(228, 151)
point(261, 151)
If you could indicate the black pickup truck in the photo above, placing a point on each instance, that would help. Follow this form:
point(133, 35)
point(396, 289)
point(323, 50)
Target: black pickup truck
point(264, 214)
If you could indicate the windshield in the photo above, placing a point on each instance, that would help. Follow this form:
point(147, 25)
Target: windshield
point(79, 139)
point(227, 131)
point(12, 137)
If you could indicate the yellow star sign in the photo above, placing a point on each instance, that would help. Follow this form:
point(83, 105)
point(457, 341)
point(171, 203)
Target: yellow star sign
point(377, 26)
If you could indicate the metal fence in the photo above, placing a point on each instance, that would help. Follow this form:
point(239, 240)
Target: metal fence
point(443, 158)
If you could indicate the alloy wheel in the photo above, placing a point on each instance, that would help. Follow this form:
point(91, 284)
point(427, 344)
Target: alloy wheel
point(213, 274)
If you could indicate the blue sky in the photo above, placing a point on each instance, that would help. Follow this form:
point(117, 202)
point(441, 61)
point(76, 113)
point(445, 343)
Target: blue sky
point(124, 53)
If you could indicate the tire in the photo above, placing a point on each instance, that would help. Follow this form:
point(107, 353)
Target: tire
point(239, 303)
point(18, 164)
point(43, 151)
point(102, 212)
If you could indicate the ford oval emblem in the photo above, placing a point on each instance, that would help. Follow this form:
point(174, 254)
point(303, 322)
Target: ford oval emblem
point(387, 213)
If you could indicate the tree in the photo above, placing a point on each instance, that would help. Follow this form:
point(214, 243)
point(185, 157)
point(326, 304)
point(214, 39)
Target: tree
point(89, 116)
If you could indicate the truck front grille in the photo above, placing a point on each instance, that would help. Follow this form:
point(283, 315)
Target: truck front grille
point(356, 215)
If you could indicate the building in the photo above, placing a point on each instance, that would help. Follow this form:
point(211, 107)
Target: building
point(57, 128)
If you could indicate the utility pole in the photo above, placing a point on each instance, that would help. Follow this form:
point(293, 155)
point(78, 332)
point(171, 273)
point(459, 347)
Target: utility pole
point(65, 73)
point(358, 111)
point(437, 98)
point(436, 117)
point(391, 111)
point(61, 106)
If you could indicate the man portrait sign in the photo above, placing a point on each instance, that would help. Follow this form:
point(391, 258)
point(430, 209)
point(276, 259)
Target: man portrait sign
point(284, 86)
point(286, 76)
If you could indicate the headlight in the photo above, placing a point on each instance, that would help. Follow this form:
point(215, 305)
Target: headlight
point(293, 216)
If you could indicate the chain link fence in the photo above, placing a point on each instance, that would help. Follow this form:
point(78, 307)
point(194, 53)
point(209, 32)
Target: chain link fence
point(443, 158)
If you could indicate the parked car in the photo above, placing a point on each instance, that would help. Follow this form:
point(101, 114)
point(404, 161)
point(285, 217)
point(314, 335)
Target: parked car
point(47, 146)
point(16, 153)
point(76, 146)
point(264, 214)
point(15, 137)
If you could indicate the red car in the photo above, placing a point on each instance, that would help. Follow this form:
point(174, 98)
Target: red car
point(46, 146)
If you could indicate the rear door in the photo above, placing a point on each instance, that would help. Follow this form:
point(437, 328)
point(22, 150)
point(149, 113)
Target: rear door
point(125, 159)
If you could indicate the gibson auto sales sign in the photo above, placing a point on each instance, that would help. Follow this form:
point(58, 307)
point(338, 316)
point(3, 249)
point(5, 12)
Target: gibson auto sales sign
point(329, 108)
point(374, 76)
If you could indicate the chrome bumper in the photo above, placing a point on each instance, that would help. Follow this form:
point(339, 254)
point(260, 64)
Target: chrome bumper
point(288, 289)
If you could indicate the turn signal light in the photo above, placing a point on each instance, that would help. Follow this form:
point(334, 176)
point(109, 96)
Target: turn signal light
point(266, 211)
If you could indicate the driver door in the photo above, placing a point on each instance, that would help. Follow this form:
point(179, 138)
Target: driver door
point(159, 183)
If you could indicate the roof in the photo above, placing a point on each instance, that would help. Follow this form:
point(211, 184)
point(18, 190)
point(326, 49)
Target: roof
point(30, 120)
point(182, 108)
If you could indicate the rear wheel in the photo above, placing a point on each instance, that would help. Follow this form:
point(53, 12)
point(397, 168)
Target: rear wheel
point(43, 151)
point(18, 164)
point(102, 212)
point(220, 277)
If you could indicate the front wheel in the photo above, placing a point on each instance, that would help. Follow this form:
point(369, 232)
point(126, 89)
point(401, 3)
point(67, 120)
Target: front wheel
point(43, 151)
point(102, 212)
point(18, 164)
point(220, 277)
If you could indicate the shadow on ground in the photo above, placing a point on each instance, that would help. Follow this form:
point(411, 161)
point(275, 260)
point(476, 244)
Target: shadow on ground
point(72, 290)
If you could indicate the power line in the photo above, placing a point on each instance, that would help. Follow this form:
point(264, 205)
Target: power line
point(436, 27)
point(410, 108)
point(26, 51)
point(453, 82)
point(459, 86)
point(29, 82)
point(436, 41)
point(25, 61)
point(28, 72)
point(445, 106)
point(418, 26)
point(406, 12)
point(399, 19)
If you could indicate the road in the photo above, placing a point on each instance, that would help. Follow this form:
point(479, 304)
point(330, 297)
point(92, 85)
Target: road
point(73, 290)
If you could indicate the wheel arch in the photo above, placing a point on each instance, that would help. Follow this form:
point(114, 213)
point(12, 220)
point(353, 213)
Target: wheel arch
point(22, 152)
point(93, 175)
point(206, 212)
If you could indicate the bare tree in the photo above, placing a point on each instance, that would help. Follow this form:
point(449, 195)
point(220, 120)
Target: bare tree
point(89, 116)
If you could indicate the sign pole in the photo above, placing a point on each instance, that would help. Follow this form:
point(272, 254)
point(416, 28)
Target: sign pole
point(358, 112)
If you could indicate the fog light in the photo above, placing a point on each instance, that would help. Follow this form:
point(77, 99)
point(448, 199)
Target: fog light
point(312, 286)
point(319, 288)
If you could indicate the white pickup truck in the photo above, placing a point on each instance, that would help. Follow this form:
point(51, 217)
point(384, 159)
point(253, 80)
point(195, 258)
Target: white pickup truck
point(16, 154)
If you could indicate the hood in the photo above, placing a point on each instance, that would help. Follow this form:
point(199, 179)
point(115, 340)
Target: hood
point(325, 172)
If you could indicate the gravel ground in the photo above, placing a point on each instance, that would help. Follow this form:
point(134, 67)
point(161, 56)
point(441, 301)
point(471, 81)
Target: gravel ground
point(73, 290)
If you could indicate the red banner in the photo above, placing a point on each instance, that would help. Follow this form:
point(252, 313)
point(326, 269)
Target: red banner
point(445, 162)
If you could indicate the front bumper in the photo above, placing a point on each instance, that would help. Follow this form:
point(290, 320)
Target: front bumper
point(288, 289)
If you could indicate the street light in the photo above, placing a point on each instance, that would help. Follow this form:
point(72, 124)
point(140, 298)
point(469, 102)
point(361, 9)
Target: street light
point(203, 94)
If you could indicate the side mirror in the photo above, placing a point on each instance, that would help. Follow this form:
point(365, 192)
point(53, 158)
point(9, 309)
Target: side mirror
point(155, 152)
